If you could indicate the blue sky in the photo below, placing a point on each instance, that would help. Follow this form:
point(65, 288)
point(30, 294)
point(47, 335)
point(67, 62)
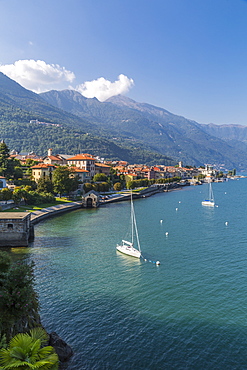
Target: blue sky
point(187, 56)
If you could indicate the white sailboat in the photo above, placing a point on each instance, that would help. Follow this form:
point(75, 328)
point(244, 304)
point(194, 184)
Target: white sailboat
point(127, 247)
point(210, 201)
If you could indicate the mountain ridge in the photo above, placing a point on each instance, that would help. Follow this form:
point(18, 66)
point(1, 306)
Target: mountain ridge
point(119, 128)
point(18, 107)
point(165, 132)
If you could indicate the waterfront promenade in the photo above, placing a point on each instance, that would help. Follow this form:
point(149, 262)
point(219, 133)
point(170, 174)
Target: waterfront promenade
point(44, 213)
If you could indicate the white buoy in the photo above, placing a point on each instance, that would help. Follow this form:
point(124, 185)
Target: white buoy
point(179, 201)
point(157, 262)
point(176, 209)
point(161, 221)
point(226, 223)
point(225, 192)
point(166, 233)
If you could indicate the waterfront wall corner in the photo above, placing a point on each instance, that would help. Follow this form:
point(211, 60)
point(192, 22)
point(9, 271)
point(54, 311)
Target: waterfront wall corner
point(15, 229)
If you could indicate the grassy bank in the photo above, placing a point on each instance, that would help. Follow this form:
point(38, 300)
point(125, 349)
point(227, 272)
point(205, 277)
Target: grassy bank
point(32, 208)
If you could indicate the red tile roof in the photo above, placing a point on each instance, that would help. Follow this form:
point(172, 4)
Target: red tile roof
point(81, 157)
point(53, 158)
point(43, 165)
point(76, 169)
point(102, 165)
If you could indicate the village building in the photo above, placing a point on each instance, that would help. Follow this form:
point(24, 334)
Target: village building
point(43, 171)
point(22, 157)
point(83, 176)
point(102, 168)
point(90, 199)
point(3, 182)
point(84, 162)
point(208, 171)
point(130, 177)
point(55, 159)
point(151, 174)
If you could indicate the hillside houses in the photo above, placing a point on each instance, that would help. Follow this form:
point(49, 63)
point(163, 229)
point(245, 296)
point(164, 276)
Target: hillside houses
point(133, 172)
point(85, 166)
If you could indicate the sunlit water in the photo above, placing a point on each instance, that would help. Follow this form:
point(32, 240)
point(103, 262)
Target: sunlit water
point(121, 313)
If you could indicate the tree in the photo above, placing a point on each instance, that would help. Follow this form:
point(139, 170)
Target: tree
point(5, 262)
point(117, 186)
point(29, 351)
point(130, 184)
point(5, 194)
point(9, 167)
point(102, 186)
point(64, 180)
point(99, 177)
point(17, 171)
point(18, 194)
point(18, 300)
point(87, 186)
point(4, 155)
point(44, 186)
point(30, 162)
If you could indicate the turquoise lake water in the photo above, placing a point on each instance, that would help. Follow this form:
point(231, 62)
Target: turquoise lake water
point(121, 313)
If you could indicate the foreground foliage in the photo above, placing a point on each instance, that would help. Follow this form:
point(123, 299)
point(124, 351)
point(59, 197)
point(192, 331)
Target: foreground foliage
point(18, 300)
point(29, 351)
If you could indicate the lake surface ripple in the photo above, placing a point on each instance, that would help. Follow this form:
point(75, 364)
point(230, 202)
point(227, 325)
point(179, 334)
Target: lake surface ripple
point(121, 313)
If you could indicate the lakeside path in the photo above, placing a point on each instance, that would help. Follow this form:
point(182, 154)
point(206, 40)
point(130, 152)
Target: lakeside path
point(44, 213)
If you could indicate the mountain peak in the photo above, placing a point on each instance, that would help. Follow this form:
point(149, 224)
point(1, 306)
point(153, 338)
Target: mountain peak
point(122, 101)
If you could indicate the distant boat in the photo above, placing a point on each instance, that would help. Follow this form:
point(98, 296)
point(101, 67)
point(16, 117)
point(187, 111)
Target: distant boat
point(210, 201)
point(127, 247)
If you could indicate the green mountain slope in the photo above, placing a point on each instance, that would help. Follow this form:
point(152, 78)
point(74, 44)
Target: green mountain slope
point(227, 132)
point(64, 132)
point(124, 120)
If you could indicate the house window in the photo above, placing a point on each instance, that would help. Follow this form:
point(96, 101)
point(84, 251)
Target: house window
point(10, 226)
point(1, 184)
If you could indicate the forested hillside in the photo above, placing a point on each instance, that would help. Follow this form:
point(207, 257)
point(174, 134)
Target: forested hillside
point(64, 132)
point(123, 118)
point(119, 128)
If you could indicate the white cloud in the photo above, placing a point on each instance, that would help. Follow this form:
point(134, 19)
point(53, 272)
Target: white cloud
point(103, 89)
point(38, 76)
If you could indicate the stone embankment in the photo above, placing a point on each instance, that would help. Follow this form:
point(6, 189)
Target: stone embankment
point(154, 189)
point(44, 213)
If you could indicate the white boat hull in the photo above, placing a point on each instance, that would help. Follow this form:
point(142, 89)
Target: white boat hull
point(208, 203)
point(129, 250)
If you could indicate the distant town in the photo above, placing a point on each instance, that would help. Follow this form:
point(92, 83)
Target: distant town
point(85, 166)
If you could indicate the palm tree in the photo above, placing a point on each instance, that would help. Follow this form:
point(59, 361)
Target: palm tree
point(28, 351)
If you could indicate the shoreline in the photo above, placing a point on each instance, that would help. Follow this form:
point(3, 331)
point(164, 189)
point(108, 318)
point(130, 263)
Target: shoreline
point(53, 211)
point(44, 213)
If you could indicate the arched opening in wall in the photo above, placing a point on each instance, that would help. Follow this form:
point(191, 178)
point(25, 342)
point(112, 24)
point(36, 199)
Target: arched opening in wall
point(89, 202)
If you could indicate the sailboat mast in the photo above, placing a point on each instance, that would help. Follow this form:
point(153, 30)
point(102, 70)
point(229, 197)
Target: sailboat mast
point(132, 219)
point(134, 230)
point(211, 195)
